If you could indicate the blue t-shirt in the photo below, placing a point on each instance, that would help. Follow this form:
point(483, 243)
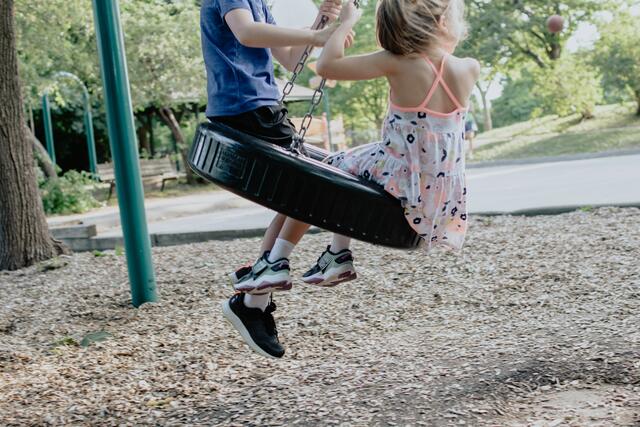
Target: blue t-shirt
point(239, 78)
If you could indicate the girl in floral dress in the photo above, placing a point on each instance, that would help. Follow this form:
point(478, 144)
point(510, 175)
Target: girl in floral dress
point(420, 159)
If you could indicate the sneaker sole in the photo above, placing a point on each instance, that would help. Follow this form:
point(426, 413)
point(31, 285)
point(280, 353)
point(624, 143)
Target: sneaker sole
point(266, 288)
point(333, 281)
point(244, 333)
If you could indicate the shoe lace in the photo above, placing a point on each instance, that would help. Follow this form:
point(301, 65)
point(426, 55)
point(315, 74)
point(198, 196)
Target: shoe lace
point(269, 321)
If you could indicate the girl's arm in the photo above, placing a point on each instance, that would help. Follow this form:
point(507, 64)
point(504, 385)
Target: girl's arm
point(289, 56)
point(335, 66)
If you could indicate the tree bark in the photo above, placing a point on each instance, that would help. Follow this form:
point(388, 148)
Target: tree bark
point(24, 234)
point(638, 101)
point(488, 120)
point(42, 156)
point(143, 135)
point(169, 118)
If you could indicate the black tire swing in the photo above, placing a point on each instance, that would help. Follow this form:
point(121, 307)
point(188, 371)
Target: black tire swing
point(297, 186)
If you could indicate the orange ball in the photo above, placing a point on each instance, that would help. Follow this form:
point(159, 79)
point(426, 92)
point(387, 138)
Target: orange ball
point(555, 23)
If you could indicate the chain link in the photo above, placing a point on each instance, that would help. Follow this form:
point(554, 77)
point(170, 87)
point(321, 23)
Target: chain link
point(302, 62)
point(318, 94)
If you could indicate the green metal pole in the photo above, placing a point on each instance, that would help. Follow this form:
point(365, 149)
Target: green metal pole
point(327, 110)
point(91, 143)
point(88, 119)
point(124, 150)
point(48, 127)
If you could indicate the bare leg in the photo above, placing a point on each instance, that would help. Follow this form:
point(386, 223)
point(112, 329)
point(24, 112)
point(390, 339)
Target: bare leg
point(272, 233)
point(293, 230)
point(470, 137)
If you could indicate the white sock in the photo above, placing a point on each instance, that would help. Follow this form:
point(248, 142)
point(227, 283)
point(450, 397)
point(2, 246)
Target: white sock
point(281, 249)
point(257, 301)
point(339, 243)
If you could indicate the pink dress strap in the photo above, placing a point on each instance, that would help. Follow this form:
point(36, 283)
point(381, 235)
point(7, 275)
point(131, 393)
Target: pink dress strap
point(439, 80)
point(435, 84)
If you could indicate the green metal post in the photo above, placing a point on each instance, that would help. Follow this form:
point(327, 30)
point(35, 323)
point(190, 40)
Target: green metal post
point(48, 127)
point(88, 119)
point(327, 109)
point(124, 150)
point(91, 143)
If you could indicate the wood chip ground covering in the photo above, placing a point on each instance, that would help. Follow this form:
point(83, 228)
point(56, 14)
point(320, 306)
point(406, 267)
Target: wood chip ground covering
point(536, 323)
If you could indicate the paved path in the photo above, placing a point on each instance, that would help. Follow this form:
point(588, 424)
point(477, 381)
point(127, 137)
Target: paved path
point(608, 180)
point(158, 210)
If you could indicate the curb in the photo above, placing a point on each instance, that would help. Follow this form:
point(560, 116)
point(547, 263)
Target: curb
point(171, 239)
point(174, 239)
point(558, 210)
point(555, 159)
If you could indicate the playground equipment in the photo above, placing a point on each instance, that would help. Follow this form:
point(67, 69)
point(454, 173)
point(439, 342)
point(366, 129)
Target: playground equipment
point(124, 150)
point(298, 186)
point(88, 121)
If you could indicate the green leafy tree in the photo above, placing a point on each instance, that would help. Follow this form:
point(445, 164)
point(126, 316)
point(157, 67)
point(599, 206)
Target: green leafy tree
point(506, 35)
point(570, 86)
point(163, 53)
point(516, 30)
point(364, 104)
point(56, 35)
point(167, 71)
point(618, 55)
point(516, 103)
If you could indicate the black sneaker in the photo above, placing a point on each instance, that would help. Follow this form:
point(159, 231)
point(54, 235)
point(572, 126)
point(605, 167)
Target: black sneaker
point(257, 328)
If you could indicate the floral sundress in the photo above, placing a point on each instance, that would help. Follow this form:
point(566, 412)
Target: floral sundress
point(421, 162)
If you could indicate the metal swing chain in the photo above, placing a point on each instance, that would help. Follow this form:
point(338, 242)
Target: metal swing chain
point(298, 141)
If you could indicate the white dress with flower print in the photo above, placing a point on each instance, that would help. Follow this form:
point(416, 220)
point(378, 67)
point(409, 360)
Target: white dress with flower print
point(421, 162)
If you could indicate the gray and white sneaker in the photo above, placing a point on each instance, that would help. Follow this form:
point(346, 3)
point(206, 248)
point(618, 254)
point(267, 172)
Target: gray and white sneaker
point(240, 273)
point(331, 269)
point(266, 277)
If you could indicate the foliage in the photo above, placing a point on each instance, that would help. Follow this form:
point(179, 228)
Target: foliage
point(162, 41)
point(70, 193)
point(515, 31)
point(163, 52)
point(569, 86)
point(516, 103)
point(363, 105)
point(618, 55)
point(55, 35)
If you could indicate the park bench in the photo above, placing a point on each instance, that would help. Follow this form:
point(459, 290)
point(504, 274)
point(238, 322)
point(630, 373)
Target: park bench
point(163, 169)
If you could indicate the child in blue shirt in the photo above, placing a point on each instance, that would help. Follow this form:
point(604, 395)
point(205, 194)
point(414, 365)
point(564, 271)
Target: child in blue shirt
point(239, 38)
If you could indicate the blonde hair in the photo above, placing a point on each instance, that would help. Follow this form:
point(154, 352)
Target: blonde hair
point(406, 27)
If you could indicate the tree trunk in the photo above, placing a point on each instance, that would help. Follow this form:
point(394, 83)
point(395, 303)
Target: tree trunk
point(42, 156)
point(638, 101)
point(488, 121)
point(144, 131)
point(555, 51)
point(149, 124)
point(24, 234)
point(143, 135)
point(169, 118)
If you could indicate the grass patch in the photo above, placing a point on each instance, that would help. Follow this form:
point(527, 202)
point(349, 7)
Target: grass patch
point(615, 127)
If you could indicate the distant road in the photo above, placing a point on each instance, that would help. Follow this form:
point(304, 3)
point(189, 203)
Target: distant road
point(605, 180)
